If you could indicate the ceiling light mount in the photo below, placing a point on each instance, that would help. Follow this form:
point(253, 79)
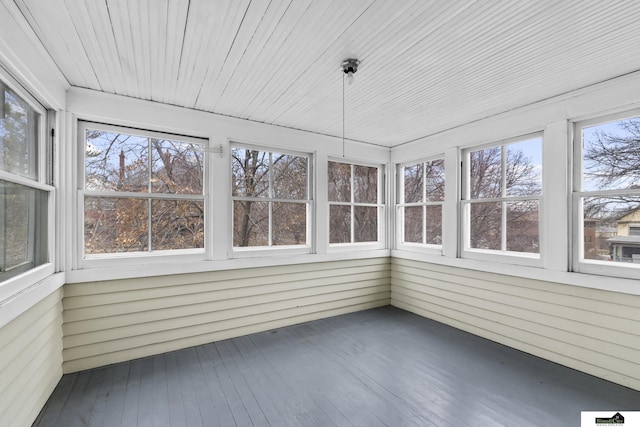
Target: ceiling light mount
point(350, 66)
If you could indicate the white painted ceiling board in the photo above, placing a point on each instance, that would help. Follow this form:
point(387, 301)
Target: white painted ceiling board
point(426, 65)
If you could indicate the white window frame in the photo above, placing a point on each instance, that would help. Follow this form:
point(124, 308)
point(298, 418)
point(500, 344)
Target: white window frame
point(502, 256)
point(270, 250)
point(135, 258)
point(381, 205)
point(44, 182)
point(400, 205)
point(579, 264)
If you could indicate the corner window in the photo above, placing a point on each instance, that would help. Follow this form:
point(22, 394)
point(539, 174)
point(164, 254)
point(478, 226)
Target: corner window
point(355, 206)
point(24, 192)
point(143, 191)
point(501, 199)
point(607, 192)
point(421, 198)
point(271, 199)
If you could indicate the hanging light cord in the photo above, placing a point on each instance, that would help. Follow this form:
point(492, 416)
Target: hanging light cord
point(343, 144)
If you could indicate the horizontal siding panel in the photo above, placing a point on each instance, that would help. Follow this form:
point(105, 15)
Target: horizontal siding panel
point(583, 320)
point(566, 324)
point(260, 305)
point(25, 321)
point(232, 288)
point(286, 273)
point(187, 341)
point(125, 319)
point(36, 358)
point(17, 360)
point(30, 360)
point(162, 309)
point(590, 296)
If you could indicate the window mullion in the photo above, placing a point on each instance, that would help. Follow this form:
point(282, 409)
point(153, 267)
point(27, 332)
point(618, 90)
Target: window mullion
point(149, 203)
point(149, 231)
point(424, 200)
point(503, 193)
point(352, 213)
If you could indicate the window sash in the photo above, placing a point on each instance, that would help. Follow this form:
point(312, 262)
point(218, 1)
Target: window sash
point(466, 202)
point(35, 183)
point(148, 195)
point(352, 205)
point(424, 203)
point(580, 263)
point(270, 200)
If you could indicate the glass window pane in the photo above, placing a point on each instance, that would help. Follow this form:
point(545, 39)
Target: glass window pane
point(413, 221)
point(413, 183)
point(365, 181)
point(289, 224)
point(18, 135)
point(176, 167)
point(177, 224)
point(522, 226)
point(116, 162)
point(23, 229)
point(434, 225)
point(289, 177)
point(365, 224)
point(610, 155)
point(608, 223)
point(524, 168)
point(339, 182)
point(339, 224)
point(115, 225)
point(250, 223)
point(434, 180)
point(485, 172)
point(250, 173)
point(485, 226)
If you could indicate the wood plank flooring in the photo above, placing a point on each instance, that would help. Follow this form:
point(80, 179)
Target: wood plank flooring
point(380, 367)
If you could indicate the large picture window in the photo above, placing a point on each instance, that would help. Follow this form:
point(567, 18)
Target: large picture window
point(607, 191)
point(24, 192)
point(421, 197)
point(501, 198)
point(354, 203)
point(143, 191)
point(271, 198)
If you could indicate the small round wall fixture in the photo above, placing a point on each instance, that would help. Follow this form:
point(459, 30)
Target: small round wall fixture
point(350, 66)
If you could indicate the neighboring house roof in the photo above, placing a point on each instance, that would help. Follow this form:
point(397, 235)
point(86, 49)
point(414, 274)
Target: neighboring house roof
point(625, 239)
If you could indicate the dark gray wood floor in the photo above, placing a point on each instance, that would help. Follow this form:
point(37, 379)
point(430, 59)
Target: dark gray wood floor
point(382, 367)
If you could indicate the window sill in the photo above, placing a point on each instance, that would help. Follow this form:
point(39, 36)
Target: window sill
point(140, 269)
point(36, 285)
point(137, 258)
point(435, 250)
point(503, 257)
point(591, 281)
point(273, 251)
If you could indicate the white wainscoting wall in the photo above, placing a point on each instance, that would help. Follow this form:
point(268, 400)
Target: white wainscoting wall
point(30, 360)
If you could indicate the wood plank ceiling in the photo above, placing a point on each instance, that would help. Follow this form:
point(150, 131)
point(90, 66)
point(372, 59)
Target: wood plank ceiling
point(426, 66)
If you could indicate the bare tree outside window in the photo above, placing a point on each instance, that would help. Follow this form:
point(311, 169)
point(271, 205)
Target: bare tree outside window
point(610, 190)
point(142, 193)
point(353, 203)
point(270, 198)
point(23, 203)
point(421, 202)
point(504, 190)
